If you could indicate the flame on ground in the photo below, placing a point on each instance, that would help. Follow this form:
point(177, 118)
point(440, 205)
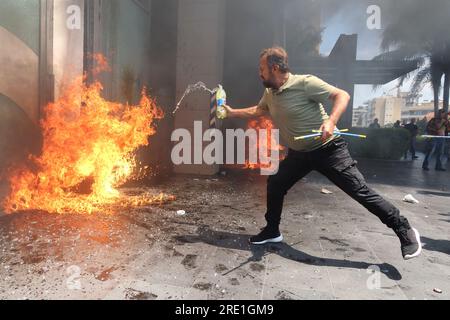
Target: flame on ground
point(87, 153)
point(270, 143)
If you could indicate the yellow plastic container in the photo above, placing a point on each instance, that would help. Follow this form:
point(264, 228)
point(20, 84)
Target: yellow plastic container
point(221, 100)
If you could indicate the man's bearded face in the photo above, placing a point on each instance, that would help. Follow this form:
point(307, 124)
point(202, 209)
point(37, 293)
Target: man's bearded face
point(266, 74)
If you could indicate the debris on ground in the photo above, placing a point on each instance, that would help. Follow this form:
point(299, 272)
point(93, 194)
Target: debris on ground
point(326, 191)
point(181, 213)
point(437, 290)
point(410, 199)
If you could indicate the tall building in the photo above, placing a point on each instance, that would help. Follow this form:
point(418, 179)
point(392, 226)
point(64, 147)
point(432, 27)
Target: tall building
point(361, 116)
point(418, 111)
point(387, 109)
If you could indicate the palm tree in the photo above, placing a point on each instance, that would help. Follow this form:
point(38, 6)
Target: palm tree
point(419, 31)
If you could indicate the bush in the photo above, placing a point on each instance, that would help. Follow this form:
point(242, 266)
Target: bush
point(421, 144)
point(385, 143)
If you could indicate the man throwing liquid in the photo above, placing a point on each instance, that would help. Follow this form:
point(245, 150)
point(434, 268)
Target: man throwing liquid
point(295, 103)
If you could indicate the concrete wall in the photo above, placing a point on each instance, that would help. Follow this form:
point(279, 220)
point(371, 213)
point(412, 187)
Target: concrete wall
point(19, 78)
point(21, 17)
point(19, 39)
point(200, 55)
point(162, 62)
point(140, 56)
point(19, 136)
point(249, 29)
point(121, 32)
point(68, 45)
point(19, 82)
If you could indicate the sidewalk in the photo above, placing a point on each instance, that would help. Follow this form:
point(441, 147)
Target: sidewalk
point(151, 253)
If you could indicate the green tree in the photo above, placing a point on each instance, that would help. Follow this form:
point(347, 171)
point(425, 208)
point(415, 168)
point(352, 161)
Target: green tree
point(420, 31)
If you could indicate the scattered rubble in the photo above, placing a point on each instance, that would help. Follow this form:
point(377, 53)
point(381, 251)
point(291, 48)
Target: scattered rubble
point(410, 199)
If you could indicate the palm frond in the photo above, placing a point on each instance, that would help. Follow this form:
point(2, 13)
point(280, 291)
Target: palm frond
point(420, 80)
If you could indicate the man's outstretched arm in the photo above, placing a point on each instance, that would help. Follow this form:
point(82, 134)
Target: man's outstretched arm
point(252, 112)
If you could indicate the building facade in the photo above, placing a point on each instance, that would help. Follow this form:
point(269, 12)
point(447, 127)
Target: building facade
point(387, 109)
point(418, 111)
point(361, 117)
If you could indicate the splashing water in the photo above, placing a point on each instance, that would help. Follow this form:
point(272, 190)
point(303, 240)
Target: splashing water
point(191, 88)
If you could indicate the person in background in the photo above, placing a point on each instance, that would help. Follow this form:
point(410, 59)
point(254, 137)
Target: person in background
point(436, 127)
point(375, 124)
point(413, 132)
point(422, 124)
point(397, 124)
point(447, 141)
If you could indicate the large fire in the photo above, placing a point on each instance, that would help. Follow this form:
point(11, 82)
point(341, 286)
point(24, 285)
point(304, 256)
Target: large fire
point(87, 153)
point(269, 144)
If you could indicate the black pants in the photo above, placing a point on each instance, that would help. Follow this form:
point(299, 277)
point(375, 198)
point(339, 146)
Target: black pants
point(334, 162)
point(412, 147)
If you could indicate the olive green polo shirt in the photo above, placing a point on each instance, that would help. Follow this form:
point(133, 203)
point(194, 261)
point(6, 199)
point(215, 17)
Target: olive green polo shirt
point(297, 109)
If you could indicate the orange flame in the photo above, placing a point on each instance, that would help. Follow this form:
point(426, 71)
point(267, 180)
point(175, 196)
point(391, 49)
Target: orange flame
point(269, 144)
point(87, 152)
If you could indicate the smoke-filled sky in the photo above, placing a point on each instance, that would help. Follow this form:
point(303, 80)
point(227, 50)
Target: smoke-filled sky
point(348, 17)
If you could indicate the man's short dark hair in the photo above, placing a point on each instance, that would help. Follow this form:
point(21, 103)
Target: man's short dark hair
point(276, 56)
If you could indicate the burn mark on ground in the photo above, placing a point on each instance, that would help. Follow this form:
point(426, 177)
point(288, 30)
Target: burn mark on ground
point(230, 207)
point(33, 258)
point(171, 249)
point(283, 295)
point(132, 294)
point(257, 267)
point(176, 253)
point(359, 249)
point(203, 286)
point(168, 230)
point(220, 268)
point(336, 241)
point(189, 262)
point(106, 274)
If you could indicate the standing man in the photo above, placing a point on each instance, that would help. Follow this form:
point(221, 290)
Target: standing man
point(436, 127)
point(375, 124)
point(413, 132)
point(295, 103)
